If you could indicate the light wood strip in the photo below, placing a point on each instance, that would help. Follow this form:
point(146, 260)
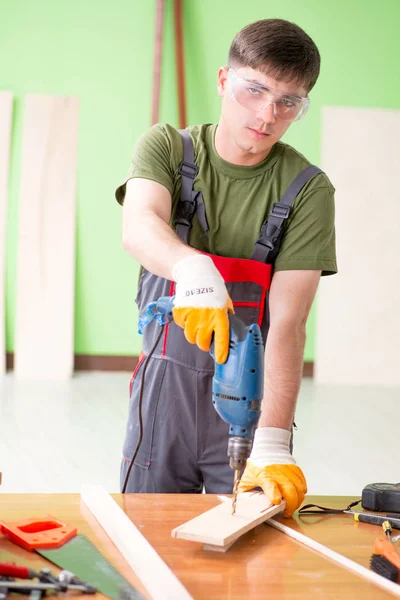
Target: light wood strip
point(341, 560)
point(6, 100)
point(44, 339)
point(155, 575)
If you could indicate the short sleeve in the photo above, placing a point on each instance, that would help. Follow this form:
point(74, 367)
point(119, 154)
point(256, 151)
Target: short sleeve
point(151, 159)
point(309, 240)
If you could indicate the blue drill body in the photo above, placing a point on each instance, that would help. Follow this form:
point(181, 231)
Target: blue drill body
point(238, 383)
point(237, 389)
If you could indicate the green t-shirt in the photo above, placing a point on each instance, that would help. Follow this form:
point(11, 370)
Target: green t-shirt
point(238, 199)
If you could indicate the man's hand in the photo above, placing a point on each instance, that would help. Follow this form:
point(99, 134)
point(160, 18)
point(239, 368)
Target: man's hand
point(272, 468)
point(202, 304)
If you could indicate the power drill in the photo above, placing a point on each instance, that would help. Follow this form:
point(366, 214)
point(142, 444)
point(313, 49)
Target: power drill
point(237, 388)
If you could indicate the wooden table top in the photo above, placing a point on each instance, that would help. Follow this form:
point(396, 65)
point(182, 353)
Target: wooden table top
point(264, 563)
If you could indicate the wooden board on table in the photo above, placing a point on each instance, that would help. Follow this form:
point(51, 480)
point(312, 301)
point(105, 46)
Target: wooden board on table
point(6, 100)
point(44, 335)
point(218, 527)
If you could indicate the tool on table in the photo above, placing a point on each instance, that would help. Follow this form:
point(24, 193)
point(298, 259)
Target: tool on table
point(9, 572)
point(18, 587)
point(385, 560)
point(387, 528)
point(74, 553)
point(375, 519)
point(381, 497)
point(237, 389)
point(363, 517)
point(37, 533)
point(13, 570)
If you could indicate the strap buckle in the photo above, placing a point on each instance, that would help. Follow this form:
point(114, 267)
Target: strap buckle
point(188, 170)
point(264, 241)
point(280, 210)
point(269, 234)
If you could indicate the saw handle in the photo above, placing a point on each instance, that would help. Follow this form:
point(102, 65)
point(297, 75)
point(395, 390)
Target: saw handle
point(38, 533)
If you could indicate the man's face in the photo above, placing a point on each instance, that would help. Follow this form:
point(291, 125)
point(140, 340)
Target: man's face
point(252, 131)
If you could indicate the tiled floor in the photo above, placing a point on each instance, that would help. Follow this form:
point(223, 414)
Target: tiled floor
point(56, 436)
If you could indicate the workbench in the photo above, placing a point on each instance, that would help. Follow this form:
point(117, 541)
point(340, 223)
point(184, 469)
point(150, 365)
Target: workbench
point(264, 563)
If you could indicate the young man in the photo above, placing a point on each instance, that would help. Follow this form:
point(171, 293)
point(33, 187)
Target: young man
point(206, 248)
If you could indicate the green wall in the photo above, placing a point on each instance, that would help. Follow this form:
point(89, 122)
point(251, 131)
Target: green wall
point(103, 53)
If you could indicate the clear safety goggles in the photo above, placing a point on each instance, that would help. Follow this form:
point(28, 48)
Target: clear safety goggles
point(256, 97)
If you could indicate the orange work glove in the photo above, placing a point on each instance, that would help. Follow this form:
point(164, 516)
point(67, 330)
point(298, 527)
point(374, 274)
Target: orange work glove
point(272, 468)
point(202, 304)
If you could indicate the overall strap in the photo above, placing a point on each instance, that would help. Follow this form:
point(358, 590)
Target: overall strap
point(191, 201)
point(267, 246)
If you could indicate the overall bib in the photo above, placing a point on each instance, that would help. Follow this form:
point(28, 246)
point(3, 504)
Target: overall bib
point(184, 443)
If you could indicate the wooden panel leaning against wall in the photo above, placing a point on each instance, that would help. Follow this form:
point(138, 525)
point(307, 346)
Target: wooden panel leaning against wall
point(6, 102)
point(44, 328)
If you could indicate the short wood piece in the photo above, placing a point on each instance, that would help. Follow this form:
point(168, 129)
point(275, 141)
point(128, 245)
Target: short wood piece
point(218, 527)
point(44, 324)
point(6, 101)
point(218, 548)
point(155, 575)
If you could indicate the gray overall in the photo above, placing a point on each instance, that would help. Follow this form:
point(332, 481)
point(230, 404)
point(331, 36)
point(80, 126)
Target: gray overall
point(184, 441)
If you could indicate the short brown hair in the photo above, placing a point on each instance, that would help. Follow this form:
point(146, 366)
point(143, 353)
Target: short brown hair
point(278, 48)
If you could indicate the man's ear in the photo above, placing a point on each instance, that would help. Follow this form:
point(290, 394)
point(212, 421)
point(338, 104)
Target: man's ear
point(222, 80)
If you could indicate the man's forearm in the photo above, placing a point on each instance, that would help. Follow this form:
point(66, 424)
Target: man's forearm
point(153, 243)
point(283, 373)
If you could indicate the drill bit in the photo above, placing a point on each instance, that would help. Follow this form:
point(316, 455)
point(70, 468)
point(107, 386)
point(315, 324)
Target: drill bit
point(235, 490)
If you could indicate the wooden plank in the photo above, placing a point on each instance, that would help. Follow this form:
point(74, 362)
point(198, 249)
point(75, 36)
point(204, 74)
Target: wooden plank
point(6, 100)
point(44, 333)
point(218, 527)
point(358, 318)
point(155, 575)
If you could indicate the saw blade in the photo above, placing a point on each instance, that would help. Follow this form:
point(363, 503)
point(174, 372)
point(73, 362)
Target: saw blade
point(84, 560)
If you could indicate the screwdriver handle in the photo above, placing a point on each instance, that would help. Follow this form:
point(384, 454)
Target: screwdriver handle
point(375, 519)
point(11, 570)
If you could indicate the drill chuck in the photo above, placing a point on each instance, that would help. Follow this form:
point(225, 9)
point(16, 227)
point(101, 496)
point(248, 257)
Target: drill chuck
point(239, 449)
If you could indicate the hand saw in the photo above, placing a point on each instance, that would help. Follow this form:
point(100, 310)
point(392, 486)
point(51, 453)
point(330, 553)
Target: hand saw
point(61, 544)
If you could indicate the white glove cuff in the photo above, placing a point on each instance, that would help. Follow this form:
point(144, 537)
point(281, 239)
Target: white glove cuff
point(198, 283)
point(271, 447)
point(192, 267)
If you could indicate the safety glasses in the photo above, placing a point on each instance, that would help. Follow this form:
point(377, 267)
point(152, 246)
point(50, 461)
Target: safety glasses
point(256, 97)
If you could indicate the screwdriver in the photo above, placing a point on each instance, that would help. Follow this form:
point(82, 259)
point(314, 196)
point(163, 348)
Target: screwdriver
point(58, 587)
point(64, 581)
point(387, 528)
point(12, 570)
point(375, 519)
